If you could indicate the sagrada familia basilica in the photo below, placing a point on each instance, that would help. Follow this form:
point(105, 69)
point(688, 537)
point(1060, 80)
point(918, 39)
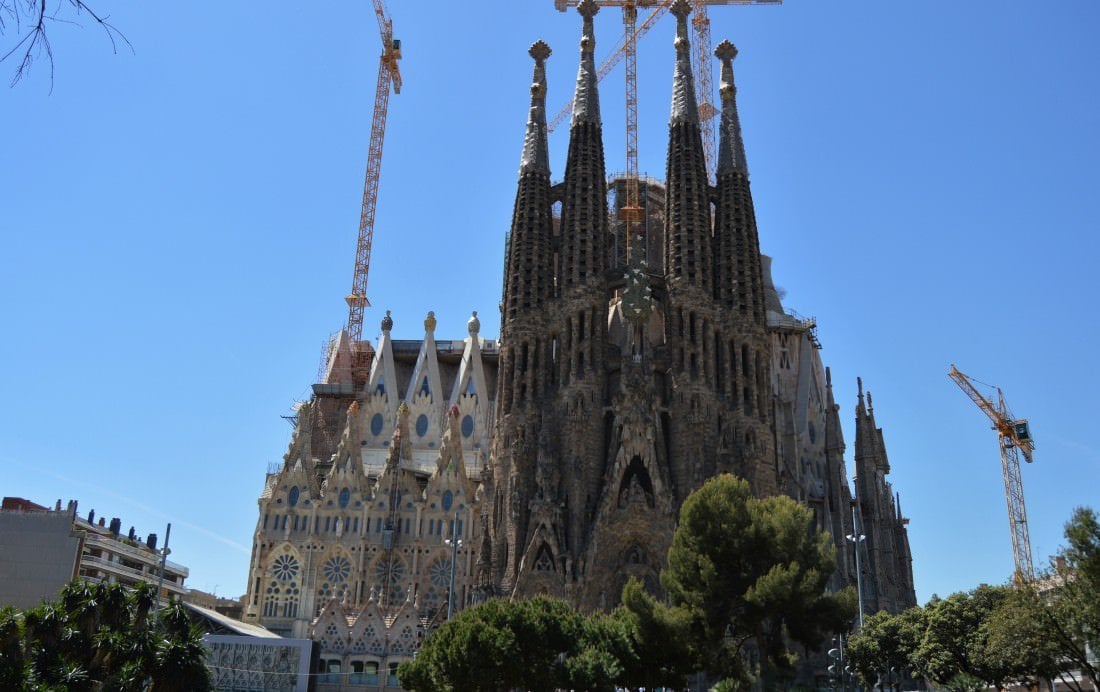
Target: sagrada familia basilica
point(632, 365)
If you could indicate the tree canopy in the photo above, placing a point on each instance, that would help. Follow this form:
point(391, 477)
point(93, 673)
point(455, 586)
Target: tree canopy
point(750, 573)
point(99, 636)
point(994, 635)
point(539, 644)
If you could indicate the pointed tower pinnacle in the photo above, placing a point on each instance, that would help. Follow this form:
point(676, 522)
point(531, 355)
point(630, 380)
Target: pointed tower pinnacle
point(584, 223)
point(731, 147)
point(688, 249)
point(684, 106)
point(535, 152)
point(586, 101)
point(529, 238)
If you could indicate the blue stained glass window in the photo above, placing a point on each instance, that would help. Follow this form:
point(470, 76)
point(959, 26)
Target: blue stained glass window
point(376, 423)
point(424, 389)
point(422, 425)
point(292, 498)
point(467, 425)
point(448, 499)
point(345, 497)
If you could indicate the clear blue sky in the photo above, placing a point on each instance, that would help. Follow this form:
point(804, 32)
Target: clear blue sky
point(179, 227)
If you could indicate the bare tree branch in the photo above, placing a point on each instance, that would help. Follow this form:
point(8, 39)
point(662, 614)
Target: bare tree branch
point(29, 20)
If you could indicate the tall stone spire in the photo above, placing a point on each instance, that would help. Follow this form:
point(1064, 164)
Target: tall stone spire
point(731, 152)
point(526, 285)
point(586, 99)
point(535, 151)
point(687, 217)
point(684, 105)
point(739, 275)
point(584, 223)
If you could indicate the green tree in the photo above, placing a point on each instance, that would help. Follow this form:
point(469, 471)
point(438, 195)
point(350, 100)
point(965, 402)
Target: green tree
point(886, 643)
point(500, 645)
point(1068, 596)
point(751, 573)
point(955, 651)
point(1018, 638)
point(99, 636)
point(662, 654)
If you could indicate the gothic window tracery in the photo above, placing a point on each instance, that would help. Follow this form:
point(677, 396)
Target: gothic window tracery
point(545, 561)
point(636, 486)
point(281, 597)
point(390, 575)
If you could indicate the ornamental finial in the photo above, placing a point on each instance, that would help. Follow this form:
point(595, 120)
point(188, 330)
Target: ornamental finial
point(539, 50)
point(731, 145)
point(535, 155)
point(725, 51)
point(387, 322)
point(681, 9)
point(586, 100)
point(429, 322)
point(473, 325)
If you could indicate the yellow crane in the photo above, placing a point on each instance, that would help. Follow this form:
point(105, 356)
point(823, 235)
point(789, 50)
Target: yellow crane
point(627, 50)
point(389, 75)
point(1014, 437)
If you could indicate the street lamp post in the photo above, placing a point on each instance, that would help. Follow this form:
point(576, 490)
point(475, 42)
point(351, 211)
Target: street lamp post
point(856, 538)
point(455, 544)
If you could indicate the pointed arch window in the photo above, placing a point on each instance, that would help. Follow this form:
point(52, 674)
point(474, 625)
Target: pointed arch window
point(292, 496)
point(545, 561)
point(345, 497)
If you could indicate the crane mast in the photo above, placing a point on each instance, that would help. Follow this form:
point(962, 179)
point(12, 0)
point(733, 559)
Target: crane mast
point(389, 75)
point(1014, 437)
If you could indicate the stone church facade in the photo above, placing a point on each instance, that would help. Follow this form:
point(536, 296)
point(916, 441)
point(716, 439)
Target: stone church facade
point(634, 362)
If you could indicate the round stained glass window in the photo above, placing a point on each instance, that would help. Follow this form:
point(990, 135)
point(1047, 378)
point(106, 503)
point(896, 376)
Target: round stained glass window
point(337, 569)
point(284, 568)
point(448, 499)
point(376, 424)
point(422, 425)
point(440, 573)
point(345, 497)
point(292, 496)
point(467, 425)
point(390, 578)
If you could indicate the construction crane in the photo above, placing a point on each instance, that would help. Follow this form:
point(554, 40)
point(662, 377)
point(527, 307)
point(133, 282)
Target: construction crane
point(389, 75)
point(1014, 437)
point(627, 50)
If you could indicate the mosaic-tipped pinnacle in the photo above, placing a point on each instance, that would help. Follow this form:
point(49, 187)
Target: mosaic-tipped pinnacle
point(588, 8)
point(725, 51)
point(539, 50)
point(680, 8)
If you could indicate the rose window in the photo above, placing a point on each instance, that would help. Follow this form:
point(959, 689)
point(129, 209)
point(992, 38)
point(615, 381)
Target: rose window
point(284, 568)
point(337, 569)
